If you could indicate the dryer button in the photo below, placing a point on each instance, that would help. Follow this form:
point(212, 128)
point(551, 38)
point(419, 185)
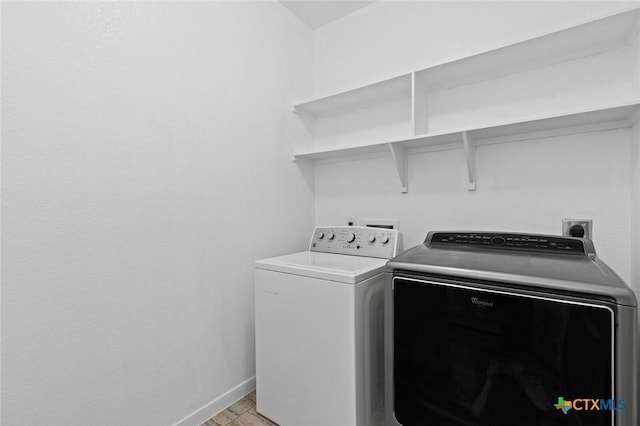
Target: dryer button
point(497, 241)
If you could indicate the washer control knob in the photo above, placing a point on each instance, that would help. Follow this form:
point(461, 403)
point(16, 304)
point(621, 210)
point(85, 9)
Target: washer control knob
point(320, 235)
point(372, 238)
point(331, 236)
point(351, 237)
point(384, 239)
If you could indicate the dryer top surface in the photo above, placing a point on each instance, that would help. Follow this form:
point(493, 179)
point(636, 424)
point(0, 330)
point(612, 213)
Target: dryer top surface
point(580, 274)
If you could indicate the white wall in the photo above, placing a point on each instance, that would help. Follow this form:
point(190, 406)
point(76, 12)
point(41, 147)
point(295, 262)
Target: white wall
point(523, 186)
point(526, 186)
point(145, 165)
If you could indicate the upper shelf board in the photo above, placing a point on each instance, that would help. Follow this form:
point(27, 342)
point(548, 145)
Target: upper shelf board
point(598, 36)
point(619, 116)
point(362, 97)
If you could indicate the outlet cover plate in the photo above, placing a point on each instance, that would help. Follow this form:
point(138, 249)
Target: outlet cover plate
point(587, 225)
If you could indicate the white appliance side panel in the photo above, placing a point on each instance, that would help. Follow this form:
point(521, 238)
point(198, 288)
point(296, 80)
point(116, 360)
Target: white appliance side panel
point(304, 322)
point(369, 328)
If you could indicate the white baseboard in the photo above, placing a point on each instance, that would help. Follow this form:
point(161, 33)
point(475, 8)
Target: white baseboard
point(209, 410)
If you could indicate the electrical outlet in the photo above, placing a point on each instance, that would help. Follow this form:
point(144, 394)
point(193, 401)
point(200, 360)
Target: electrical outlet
point(577, 228)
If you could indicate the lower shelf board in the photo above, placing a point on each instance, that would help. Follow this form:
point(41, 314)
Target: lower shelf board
point(606, 118)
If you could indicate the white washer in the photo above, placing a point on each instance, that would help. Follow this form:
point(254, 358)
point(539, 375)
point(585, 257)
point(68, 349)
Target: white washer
point(319, 324)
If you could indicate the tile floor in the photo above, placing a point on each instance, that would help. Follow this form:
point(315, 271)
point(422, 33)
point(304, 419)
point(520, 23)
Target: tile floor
point(240, 413)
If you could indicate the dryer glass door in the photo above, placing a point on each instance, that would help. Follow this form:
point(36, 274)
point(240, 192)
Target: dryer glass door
point(471, 355)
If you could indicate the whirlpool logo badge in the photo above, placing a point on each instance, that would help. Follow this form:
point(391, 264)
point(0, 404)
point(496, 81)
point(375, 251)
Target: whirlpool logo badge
point(587, 404)
point(483, 303)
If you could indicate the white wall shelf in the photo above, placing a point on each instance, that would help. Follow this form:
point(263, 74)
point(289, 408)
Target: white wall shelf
point(608, 118)
point(363, 97)
point(426, 95)
point(598, 36)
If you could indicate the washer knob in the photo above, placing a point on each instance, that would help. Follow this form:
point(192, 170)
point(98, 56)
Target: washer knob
point(320, 235)
point(384, 239)
point(351, 237)
point(372, 238)
point(331, 236)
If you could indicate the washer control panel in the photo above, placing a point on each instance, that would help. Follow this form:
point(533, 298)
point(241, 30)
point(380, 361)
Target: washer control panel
point(355, 240)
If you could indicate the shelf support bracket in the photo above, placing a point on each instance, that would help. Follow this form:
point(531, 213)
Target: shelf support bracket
point(399, 155)
point(470, 152)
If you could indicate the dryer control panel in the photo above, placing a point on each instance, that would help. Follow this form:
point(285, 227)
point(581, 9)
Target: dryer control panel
point(549, 244)
point(355, 240)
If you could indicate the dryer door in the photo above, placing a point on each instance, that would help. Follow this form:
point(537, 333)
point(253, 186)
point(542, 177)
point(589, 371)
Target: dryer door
point(468, 354)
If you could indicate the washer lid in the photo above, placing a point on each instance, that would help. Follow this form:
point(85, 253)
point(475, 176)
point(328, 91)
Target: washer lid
point(327, 266)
